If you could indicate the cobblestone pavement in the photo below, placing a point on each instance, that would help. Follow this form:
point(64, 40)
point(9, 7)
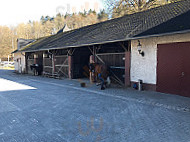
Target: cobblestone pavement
point(49, 110)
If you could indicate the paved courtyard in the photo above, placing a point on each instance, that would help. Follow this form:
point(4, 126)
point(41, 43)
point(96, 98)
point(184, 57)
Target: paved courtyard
point(37, 109)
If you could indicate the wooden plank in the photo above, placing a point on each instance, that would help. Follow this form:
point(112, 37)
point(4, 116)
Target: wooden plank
point(48, 67)
point(61, 56)
point(113, 67)
point(62, 65)
point(111, 54)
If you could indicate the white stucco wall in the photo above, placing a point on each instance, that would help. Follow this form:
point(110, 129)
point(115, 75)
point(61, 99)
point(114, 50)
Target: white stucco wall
point(145, 68)
point(19, 67)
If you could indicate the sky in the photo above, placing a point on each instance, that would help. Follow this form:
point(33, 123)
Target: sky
point(13, 12)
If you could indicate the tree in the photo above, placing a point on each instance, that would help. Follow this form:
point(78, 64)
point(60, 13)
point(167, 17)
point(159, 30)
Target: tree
point(102, 16)
point(37, 30)
point(6, 37)
point(59, 22)
point(121, 7)
point(42, 20)
point(46, 26)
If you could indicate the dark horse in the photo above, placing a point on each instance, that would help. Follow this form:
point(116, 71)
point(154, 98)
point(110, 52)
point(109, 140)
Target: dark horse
point(37, 69)
point(101, 72)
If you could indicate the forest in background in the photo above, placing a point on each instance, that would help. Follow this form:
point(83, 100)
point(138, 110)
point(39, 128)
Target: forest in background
point(51, 25)
point(44, 27)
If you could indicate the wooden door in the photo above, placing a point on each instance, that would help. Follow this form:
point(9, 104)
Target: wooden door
point(173, 68)
point(185, 74)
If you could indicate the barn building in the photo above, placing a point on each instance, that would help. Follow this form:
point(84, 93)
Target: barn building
point(151, 46)
point(19, 57)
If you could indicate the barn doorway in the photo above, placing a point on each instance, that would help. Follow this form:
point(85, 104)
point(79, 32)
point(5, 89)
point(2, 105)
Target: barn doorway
point(173, 69)
point(56, 63)
point(113, 55)
point(34, 58)
point(80, 63)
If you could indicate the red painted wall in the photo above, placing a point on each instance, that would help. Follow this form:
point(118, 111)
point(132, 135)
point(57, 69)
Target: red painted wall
point(127, 68)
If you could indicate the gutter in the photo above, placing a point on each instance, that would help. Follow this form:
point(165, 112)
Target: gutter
point(125, 39)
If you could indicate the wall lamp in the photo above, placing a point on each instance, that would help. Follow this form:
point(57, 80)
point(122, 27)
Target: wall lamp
point(139, 46)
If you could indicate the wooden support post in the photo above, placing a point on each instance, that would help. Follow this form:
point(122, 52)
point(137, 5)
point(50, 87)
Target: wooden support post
point(43, 64)
point(94, 54)
point(53, 64)
point(127, 68)
point(70, 62)
point(35, 62)
point(92, 60)
point(35, 58)
point(26, 63)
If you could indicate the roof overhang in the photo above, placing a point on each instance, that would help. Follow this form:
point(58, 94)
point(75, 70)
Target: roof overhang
point(106, 42)
point(14, 52)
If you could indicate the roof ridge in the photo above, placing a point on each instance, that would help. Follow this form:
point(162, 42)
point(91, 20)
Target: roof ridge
point(125, 27)
point(161, 6)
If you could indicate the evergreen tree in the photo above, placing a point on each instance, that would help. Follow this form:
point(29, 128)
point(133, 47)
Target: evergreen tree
point(102, 16)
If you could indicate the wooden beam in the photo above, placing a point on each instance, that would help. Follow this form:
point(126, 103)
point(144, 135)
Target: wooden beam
point(53, 63)
point(129, 46)
point(100, 59)
point(61, 56)
point(71, 52)
point(90, 50)
point(112, 53)
point(122, 45)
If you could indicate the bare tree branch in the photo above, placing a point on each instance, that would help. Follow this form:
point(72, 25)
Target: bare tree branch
point(121, 7)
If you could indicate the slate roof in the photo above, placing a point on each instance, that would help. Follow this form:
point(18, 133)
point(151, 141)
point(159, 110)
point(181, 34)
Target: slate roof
point(150, 22)
point(23, 42)
point(37, 42)
point(179, 23)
